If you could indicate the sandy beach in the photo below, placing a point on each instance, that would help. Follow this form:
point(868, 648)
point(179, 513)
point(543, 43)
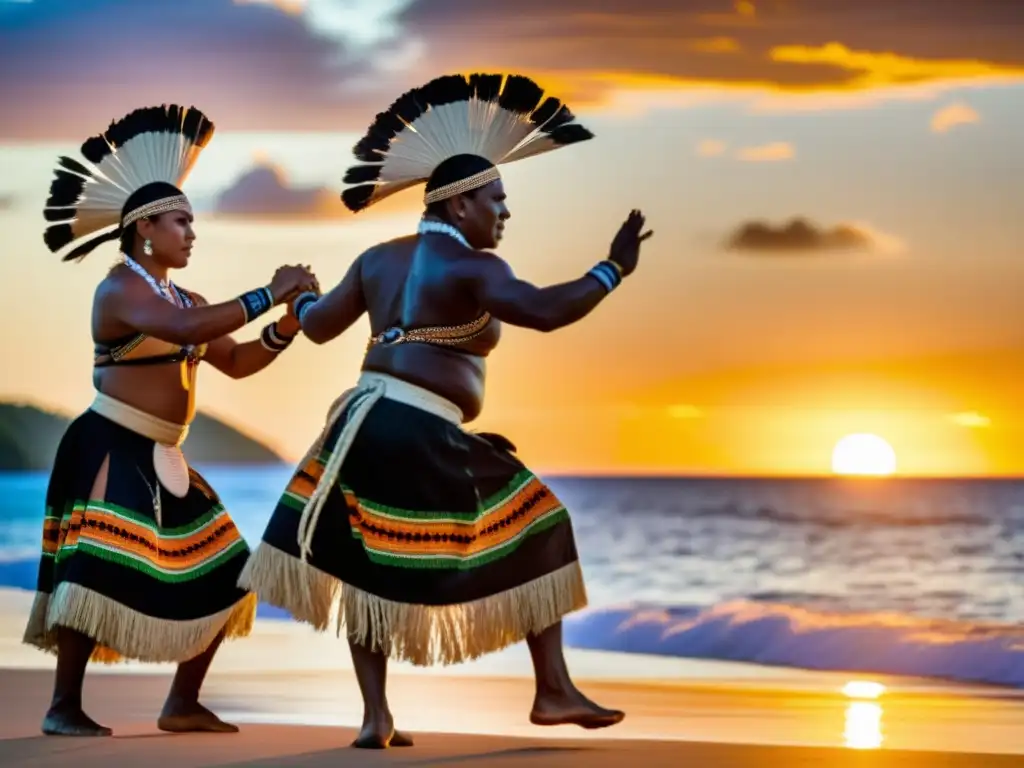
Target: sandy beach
point(697, 727)
point(294, 695)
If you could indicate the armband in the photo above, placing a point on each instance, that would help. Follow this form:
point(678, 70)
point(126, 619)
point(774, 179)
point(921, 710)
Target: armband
point(273, 341)
point(608, 274)
point(255, 303)
point(303, 305)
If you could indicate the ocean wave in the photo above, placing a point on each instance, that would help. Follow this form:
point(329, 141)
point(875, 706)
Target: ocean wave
point(776, 634)
point(838, 518)
point(764, 629)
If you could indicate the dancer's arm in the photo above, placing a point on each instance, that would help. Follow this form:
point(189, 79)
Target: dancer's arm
point(239, 360)
point(327, 317)
point(134, 304)
point(518, 302)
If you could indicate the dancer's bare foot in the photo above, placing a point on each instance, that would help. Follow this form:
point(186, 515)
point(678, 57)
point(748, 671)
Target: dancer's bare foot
point(191, 717)
point(378, 731)
point(572, 708)
point(72, 722)
point(401, 739)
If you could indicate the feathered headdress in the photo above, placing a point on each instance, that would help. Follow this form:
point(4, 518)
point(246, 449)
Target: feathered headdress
point(499, 118)
point(134, 169)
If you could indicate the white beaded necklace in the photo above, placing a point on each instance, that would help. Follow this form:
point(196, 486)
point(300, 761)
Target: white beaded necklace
point(429, 226)
point(163, 287)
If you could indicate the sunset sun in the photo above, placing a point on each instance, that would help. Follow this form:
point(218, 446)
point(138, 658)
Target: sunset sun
point(863, 454)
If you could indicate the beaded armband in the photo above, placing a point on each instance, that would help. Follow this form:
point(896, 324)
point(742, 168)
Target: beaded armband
point(255, 303)
point(303, 305)
point(273, 341)
point(608, 274)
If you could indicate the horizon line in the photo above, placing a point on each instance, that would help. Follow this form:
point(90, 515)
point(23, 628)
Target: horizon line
point(579, 473)
point(642, 475)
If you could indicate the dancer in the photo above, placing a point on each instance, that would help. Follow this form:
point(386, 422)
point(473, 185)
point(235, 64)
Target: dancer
point(442, 544)
point(140, 559)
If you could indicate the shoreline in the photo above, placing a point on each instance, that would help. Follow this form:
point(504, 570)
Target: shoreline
point(297, 648)
point(612, 475)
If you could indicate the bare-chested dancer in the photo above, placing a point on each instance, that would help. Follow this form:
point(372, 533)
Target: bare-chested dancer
point(442, 544)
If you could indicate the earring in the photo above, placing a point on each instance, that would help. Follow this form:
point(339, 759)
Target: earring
point(147, 248)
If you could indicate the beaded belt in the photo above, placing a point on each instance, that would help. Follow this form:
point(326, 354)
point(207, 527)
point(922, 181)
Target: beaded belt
point(447, 335)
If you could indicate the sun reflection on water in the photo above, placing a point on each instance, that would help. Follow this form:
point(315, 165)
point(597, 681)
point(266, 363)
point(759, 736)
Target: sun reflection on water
point(863, 721)
point(863, 725)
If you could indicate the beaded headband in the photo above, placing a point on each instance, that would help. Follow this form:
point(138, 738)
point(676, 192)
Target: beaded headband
point(462, 186)
point(501, 118)
point(167, 204)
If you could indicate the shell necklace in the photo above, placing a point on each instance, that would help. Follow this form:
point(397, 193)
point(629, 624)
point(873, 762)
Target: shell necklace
point(164, 288)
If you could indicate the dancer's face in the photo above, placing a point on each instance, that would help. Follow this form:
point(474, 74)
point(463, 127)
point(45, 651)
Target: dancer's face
point(481, 215)
point(171, 236)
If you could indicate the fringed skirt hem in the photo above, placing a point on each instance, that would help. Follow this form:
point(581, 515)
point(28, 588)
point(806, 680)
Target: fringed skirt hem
point(122, 634)
point(423, 635)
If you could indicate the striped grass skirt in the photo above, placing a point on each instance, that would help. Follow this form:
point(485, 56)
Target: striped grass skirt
point(433, 545)
point(141, 589)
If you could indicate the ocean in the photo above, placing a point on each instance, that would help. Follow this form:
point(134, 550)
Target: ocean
point(892, 576)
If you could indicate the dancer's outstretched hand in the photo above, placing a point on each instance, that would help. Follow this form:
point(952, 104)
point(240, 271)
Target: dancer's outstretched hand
point(625, 248)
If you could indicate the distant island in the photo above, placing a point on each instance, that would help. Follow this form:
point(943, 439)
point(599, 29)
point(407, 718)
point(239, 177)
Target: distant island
point(29, 437)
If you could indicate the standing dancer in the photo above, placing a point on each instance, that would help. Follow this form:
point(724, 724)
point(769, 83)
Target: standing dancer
point(442, 544)
point(140, 559)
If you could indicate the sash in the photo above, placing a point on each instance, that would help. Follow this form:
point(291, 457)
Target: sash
point(358, 402)
point(168, 460)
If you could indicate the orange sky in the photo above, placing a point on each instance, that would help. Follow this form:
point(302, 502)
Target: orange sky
point(895, 130)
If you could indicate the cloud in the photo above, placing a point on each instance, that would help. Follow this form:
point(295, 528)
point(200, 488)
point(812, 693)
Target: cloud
point(685, 411)
point(762, 153)
point(264, 65)
point(71, 67)
point(873, 68)
point(293, 7)
point(767, 153)
point(745, 8)
point(953, 115)
point(714, 45)
point(801, 236)
point(711, 148)
point(971, 420)
point(7, 202)
point(591, 50)
point(264, 193)
point(355, 23)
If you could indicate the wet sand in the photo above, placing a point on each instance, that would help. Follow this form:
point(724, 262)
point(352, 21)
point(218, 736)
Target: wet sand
point(666, 725)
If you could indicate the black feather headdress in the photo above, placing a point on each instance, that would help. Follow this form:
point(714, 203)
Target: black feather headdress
point(500, 118)
point(132, 170)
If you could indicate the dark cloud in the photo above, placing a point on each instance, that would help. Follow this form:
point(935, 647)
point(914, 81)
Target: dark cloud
point(592, 45)
point(68, 67)
point(799, 236)
point(989, 30)
point(264, 193)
